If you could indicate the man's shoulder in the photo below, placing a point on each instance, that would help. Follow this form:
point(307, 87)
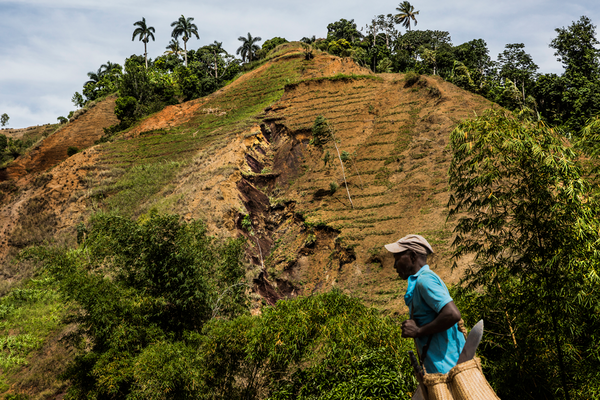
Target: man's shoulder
point(427, 276)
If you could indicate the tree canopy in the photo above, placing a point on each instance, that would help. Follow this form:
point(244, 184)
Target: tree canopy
point(249, 47)
point(145, 33)
point(406, 13)
point(185, 28)
point(529, 217)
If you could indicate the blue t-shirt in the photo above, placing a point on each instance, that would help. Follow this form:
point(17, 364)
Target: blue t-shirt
point(425, 297)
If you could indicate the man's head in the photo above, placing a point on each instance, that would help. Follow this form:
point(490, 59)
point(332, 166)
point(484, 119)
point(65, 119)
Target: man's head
point(410, 254)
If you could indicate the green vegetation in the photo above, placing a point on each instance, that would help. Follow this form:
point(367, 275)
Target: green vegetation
point(29, 314)
point(532, 225)
point(161, 311)
point(72, 150)
point(248, 47)
point(406, 13)
point(11, 148)
point(4, 119)
point(145, 33)
point(185, 28)
point(143, 288)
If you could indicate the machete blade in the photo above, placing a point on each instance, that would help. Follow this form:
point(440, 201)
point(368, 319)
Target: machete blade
point(471, 343)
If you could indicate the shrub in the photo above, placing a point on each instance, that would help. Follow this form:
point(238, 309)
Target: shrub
point(3, 142)
point(333, 187)
point(410, 78)
point(167, 279)
point(72, 150)
point(330, 346)
point(321, 131)
point(125, 108)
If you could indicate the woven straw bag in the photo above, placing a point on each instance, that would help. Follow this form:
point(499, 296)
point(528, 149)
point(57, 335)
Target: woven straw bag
point(463, 382)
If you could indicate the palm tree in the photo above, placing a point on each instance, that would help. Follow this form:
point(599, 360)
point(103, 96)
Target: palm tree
point(94, 77)
point(174, 48)
point(110, 68)
point(185, 28)
point(407, 12)
point(217, 49)
point(145, 33)
point(248, 47)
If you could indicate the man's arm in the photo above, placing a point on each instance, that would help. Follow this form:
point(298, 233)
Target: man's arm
point(448, 316)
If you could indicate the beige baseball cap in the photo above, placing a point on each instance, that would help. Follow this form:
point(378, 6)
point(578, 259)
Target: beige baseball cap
point(416, 243)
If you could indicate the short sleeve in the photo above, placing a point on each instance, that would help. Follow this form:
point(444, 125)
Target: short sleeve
point(433, 291)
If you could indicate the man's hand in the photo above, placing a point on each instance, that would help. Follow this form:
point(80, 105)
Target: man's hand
point(448, 316)
point(410, 329)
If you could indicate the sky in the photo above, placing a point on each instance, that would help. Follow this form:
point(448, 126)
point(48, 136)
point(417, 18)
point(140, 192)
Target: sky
point(47, 47)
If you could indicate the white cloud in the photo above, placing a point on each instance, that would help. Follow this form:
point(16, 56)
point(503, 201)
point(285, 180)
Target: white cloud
point(49, 46)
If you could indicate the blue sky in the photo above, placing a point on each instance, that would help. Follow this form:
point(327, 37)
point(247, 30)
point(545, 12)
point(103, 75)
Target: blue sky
point(47, 47)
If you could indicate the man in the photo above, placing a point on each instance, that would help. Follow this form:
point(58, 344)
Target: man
point(434, 316)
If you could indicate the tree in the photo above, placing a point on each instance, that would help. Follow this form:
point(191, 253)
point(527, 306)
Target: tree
point(145, 33)
point(518, 66)
point(575, 47)
point(248, 47)
point(102, 82)
point(78, 100)
point(216, 49)
point(270, 44)
point(308, 40)
point(173, 48)
point(406, 13)
point(167, 279)
point(475, 56)
point(343, 29)
point(548, 92)
point(340, 48)
point(377, 45)
point(186, 29)
point(385, 24)
point(94, 77)
point(528, 216)
point(4, 119)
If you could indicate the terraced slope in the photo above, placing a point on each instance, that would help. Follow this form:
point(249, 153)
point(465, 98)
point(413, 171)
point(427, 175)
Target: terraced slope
point(81, 133)
point(397, 136)
point(240, 159)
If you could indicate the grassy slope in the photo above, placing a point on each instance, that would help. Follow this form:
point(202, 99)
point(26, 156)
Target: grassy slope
point(397, 138)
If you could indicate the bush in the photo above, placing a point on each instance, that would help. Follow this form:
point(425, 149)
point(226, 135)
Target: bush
point(167, 279)
point(125, 108)
point(321, 131)
point(333, 187)
point(3, 142)
point(162, 314)
point(330, 346)
point(72, 150)
point(410, 78)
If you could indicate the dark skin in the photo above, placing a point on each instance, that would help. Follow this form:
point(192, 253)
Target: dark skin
point(409, 263)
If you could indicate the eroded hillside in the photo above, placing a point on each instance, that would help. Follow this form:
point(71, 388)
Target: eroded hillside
point(241, 160)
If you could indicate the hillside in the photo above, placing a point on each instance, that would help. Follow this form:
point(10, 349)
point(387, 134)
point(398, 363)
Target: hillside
point(243, 154)
point(241, 160)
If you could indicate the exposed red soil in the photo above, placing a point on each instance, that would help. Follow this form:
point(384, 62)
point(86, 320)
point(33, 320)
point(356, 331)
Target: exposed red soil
point(81, 133)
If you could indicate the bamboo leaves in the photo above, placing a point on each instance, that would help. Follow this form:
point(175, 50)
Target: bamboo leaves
point(526, 213)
